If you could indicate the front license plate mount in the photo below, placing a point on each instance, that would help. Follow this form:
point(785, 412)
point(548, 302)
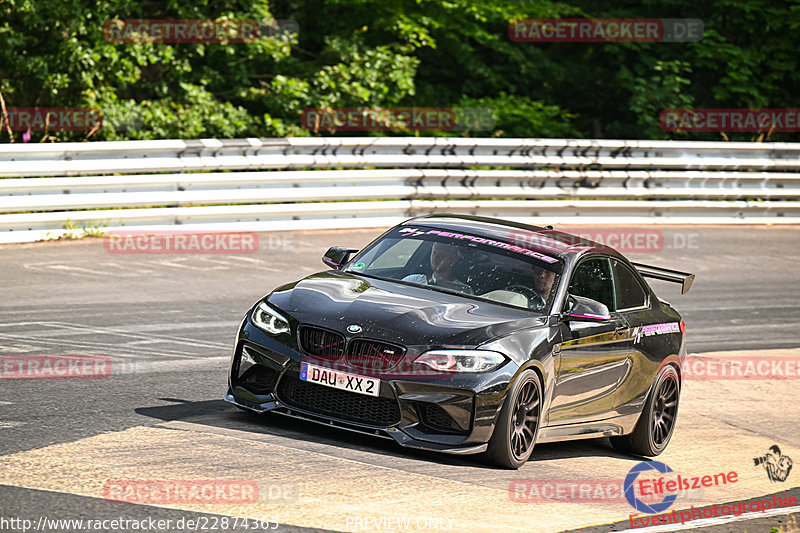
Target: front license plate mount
point(340, 380)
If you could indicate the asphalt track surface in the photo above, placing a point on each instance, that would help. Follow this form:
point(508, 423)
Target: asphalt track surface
point(167, 324)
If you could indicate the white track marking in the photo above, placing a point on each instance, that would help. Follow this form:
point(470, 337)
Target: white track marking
point(99, 348)
point(113, 331)
point(172, 326)
point(217, 260)
point(5, 350)
point(181, 264)
point(151, 367)
point(116, 350)
point(245, 259)
point(132, 351)
point(86, 272)
point(171, 338)
point(125, 267)
point(141, 342)
point(149, 266)
point(74, 269)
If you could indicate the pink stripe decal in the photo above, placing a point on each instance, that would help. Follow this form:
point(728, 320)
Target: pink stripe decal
point(411, 232)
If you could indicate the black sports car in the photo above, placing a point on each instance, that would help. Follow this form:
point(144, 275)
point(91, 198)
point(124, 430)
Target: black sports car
point(464, 334)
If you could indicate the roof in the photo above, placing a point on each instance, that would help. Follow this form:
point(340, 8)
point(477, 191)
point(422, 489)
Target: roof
point(546, 239)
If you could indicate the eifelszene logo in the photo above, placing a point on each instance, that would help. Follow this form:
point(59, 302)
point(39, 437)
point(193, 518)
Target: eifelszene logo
point(630, 494)
point(667, 485)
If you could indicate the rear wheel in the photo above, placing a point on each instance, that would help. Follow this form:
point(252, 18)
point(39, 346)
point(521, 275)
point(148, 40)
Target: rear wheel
point(654, 429)
point(515, 434)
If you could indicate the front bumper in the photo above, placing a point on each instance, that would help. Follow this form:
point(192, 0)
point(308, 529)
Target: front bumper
point(451, 413)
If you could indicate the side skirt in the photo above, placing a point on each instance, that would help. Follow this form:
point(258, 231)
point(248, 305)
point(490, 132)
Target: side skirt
point(612, 427)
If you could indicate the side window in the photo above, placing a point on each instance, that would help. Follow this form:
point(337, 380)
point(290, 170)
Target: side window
point(630, 292)
point(592, 279)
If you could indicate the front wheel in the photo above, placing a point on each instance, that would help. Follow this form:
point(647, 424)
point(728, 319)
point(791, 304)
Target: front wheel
point(515, 434)
point(657, 422)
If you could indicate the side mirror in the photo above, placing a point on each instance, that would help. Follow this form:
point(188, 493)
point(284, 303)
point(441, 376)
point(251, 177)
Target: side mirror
point(583, 309)
point(337, 256)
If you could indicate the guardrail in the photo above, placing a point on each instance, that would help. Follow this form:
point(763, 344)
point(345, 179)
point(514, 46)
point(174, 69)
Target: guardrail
point(265, 184)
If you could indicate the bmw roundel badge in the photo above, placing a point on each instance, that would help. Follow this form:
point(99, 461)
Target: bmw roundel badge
point(354, 328)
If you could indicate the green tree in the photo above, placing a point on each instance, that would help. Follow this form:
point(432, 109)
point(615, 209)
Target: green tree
point(386, 53)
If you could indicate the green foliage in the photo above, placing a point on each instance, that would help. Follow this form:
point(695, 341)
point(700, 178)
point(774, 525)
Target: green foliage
point(73, 232)
point(518, 116)
point(393, 53)
point(663, 89)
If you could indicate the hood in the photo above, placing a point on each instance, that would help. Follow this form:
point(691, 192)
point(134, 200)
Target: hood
point(397, 312)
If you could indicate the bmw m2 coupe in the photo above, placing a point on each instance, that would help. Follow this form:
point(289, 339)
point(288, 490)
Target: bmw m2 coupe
point(470, 335)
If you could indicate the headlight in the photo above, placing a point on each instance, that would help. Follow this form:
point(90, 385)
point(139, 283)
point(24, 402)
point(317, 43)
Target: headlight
point(461, 360)
point(270, 320)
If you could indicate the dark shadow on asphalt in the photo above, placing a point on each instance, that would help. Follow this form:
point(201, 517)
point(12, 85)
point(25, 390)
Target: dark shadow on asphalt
point(182, 409)
point(219, 414)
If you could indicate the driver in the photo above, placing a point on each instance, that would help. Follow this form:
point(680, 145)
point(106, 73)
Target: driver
point(543, 282)
point(444, 257)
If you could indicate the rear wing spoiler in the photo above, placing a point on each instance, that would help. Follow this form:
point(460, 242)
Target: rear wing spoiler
point(665, 274)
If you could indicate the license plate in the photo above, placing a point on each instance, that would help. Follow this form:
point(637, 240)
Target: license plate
point(339, 380)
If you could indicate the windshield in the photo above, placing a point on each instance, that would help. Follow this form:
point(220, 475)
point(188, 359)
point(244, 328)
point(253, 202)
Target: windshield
point(468, 265)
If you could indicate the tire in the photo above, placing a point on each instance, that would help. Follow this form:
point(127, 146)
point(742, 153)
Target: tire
point(517, 426)
point(654, 429)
